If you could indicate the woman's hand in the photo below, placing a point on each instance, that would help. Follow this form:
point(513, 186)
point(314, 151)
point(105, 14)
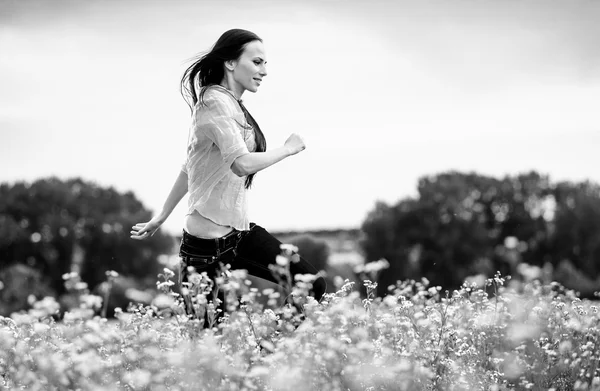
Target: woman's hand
point(142, 231)
point(295, 144)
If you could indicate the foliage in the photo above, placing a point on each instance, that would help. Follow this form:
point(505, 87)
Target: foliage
point(55, 226)
point(525, 336)
point(465, 224)
point(576, 227)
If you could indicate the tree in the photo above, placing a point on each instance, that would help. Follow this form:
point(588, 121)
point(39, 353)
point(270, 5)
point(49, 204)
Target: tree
point(463, 224)
point(57, 226)
point(576, 226)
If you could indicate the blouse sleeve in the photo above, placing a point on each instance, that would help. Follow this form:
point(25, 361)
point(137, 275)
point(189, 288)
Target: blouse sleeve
point(184, 167)
point(218, 122)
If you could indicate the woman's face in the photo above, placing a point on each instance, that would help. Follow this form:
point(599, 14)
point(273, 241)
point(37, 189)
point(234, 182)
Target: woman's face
point(250, 68)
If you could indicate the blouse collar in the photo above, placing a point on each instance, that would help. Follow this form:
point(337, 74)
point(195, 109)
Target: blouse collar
point(228, 91)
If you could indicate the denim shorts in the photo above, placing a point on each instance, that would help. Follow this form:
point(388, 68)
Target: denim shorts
point(205, 254)
point(253, 250)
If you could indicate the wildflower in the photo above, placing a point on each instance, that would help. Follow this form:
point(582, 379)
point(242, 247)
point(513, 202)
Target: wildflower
point(258, 371)
point(476, 281)
point(267, 291)
point(372, 268)
point(239, 274)
point(305, 277)
point(348, 285)
point(7, 339)
point(311, 303)
point(40, 328)
point(281, 260)
point(521, 332)
point(164, 285)
point(68, 276)
point(512, 368)
point(168, 273)
point(138, 296)
point(195, 279)
point(21, 319)
point(288, 248)
point(139, 378)
point(390, 300)
point(163, 301)
point(91, 301)
point(270, 315)
point(511, 242)
point(191, 269)
point(201, 299)
point(529, 272)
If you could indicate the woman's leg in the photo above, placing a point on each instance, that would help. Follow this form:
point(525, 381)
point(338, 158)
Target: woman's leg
point(258, 248)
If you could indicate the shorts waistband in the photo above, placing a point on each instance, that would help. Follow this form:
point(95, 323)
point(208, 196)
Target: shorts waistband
point(212, 245)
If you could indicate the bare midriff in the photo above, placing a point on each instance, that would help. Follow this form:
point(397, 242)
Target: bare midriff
point(197, 225)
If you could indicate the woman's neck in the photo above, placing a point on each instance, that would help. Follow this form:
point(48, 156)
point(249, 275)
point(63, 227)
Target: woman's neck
point(233, 87)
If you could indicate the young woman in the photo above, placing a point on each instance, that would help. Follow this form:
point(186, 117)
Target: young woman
point(226, 148)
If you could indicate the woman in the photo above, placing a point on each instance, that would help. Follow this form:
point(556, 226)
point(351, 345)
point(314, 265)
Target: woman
point(226, 148)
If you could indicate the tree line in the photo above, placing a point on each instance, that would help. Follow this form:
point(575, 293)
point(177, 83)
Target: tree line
point(463, 224)
point(458, 225)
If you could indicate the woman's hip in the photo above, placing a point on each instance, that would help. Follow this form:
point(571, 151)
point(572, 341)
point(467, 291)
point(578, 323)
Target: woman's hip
point(201, 227)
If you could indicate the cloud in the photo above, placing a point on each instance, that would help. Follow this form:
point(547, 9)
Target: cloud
point(489, 43)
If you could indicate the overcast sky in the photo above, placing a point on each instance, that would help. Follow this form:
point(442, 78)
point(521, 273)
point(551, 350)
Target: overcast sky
point(383, 93)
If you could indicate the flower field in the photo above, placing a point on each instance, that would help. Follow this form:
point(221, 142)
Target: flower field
point(500, 335)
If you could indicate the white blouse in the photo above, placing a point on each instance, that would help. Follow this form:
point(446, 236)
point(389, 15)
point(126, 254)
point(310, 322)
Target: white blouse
point(218, 135)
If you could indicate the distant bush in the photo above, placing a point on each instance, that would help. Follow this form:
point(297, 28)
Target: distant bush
point(17, 283)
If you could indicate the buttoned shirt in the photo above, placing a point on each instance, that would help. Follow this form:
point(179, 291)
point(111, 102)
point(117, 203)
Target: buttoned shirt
point(218, 134)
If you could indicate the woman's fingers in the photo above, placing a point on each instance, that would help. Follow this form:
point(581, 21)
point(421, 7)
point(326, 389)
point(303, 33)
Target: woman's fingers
point(140, 235)
point(139, 226)
point(140, 231)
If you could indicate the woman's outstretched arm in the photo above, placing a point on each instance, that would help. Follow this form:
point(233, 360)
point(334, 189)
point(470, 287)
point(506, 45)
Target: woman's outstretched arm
point(253, 162)
point(179, 189)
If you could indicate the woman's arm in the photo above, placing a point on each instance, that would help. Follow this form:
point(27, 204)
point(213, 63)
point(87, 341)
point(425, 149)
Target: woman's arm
point(179, 189)
point(253, 162)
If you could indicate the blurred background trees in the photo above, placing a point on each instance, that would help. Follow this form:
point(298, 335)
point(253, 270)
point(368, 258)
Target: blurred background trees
point(461, 225)
point(51, 227)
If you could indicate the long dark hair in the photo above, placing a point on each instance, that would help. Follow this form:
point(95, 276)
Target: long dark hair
point(208, 69)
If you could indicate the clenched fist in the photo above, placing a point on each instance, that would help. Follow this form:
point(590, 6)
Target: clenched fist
point(295, 144)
